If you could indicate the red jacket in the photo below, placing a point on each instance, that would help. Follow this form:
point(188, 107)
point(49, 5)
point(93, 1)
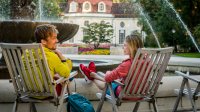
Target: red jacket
point(120, 72)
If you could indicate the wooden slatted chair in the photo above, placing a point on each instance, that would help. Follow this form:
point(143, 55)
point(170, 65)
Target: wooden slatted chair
point(142, 81)
point(28, 68)
point(191, 93)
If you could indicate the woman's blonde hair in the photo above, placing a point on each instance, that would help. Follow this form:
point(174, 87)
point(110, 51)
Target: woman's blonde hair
point(134, 42)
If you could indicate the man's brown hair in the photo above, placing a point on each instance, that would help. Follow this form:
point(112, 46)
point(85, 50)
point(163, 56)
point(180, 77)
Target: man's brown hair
point(42, 32)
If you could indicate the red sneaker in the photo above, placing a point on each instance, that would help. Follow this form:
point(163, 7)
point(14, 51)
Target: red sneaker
point(92, 67)
point(86, 72)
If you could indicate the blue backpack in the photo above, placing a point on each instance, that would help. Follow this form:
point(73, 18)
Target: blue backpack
point(78, 103)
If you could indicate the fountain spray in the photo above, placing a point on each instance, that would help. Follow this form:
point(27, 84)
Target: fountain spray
point(139, 7)
point(184, 25)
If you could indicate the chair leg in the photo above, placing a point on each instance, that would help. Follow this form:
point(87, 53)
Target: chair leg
point(32, 107)
point(114, 102)
point(100, 105)
point(62, 96)
point(114, 108)
point(15, 106)
point(155, 105)
point(191, 97)
point(179, 96)
point(136, 107)
point(59, 108)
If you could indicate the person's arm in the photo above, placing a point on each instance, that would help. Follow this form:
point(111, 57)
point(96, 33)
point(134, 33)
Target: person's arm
point(120, 72)
point(57, 66)
point(60, 55)
point(64, 59)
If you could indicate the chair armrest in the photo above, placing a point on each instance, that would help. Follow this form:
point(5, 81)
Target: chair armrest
point(187, 76)
point(118, 82)
point(101, 74)
point(63, 79)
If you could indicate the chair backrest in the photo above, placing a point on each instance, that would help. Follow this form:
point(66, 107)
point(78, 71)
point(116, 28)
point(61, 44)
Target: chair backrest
point(146, 72)
point(28, 69)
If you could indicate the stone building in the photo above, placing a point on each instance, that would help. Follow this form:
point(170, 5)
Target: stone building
point(120, 15)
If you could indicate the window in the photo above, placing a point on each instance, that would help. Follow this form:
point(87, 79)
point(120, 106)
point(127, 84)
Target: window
point(73, 7)
point(122, 24)
point(85, 33)
point(71, 40)
point(101, 7)
point(86, 23)
point(87, 7)
point(121, 36)
point(103, 22)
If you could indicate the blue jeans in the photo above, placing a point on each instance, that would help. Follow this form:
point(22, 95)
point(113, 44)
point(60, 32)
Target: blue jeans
point(114, 87)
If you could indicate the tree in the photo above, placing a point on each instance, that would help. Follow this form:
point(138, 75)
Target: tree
point(97, 33)
point(51, 10)
point(4, 9)
point(164, 21)
point(197, 33)
point(30, 9)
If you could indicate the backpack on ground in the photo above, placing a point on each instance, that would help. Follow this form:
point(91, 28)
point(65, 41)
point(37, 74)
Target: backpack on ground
point(78, 103)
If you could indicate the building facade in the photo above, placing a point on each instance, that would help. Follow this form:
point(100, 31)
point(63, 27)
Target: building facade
point(120, 15)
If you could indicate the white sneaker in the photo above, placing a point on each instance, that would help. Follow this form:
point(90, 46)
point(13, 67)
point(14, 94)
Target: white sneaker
point(99, 95)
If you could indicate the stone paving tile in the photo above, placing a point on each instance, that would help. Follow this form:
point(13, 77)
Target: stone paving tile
point(46, 107)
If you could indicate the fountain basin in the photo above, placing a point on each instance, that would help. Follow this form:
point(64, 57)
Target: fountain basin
point(16, 31)
point(102, 65)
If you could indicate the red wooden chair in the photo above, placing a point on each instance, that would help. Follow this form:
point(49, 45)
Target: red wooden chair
point(142, 81)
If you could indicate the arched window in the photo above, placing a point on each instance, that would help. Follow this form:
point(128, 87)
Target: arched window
point(122, 32)
point(87, 7)
point(122, 24)
point(86, 23)
point(103, 22)
point(121, 36)
point(73, 7)
point(101, 7)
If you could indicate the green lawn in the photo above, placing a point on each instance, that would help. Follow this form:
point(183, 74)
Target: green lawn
point(191, 55)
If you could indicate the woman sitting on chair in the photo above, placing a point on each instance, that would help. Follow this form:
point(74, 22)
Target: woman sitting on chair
point(131, 44)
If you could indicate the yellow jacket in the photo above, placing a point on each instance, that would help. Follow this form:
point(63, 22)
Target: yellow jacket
point(55, 64)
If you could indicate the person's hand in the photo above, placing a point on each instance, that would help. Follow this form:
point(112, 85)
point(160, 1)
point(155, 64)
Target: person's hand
point(58, 52)
point(108, 72)
point(60, 55)
point(56, 77)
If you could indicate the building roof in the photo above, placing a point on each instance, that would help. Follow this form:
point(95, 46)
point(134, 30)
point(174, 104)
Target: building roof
point(107, 2)
point(123, 10)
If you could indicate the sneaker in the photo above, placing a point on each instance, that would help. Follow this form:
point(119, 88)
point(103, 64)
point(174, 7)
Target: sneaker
point(86, 72)
point(92, 67)
point(99, 95)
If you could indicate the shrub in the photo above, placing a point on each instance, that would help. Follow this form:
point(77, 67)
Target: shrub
point(97, 52)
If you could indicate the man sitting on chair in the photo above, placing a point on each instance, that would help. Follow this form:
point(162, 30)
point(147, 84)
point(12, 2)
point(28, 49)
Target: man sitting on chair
point(46, 34)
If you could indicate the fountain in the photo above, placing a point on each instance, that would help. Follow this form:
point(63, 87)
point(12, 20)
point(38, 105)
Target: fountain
point(148, 22)
point(21, 26)
point(184, 25)
point(15, 31)
point(170, 6)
